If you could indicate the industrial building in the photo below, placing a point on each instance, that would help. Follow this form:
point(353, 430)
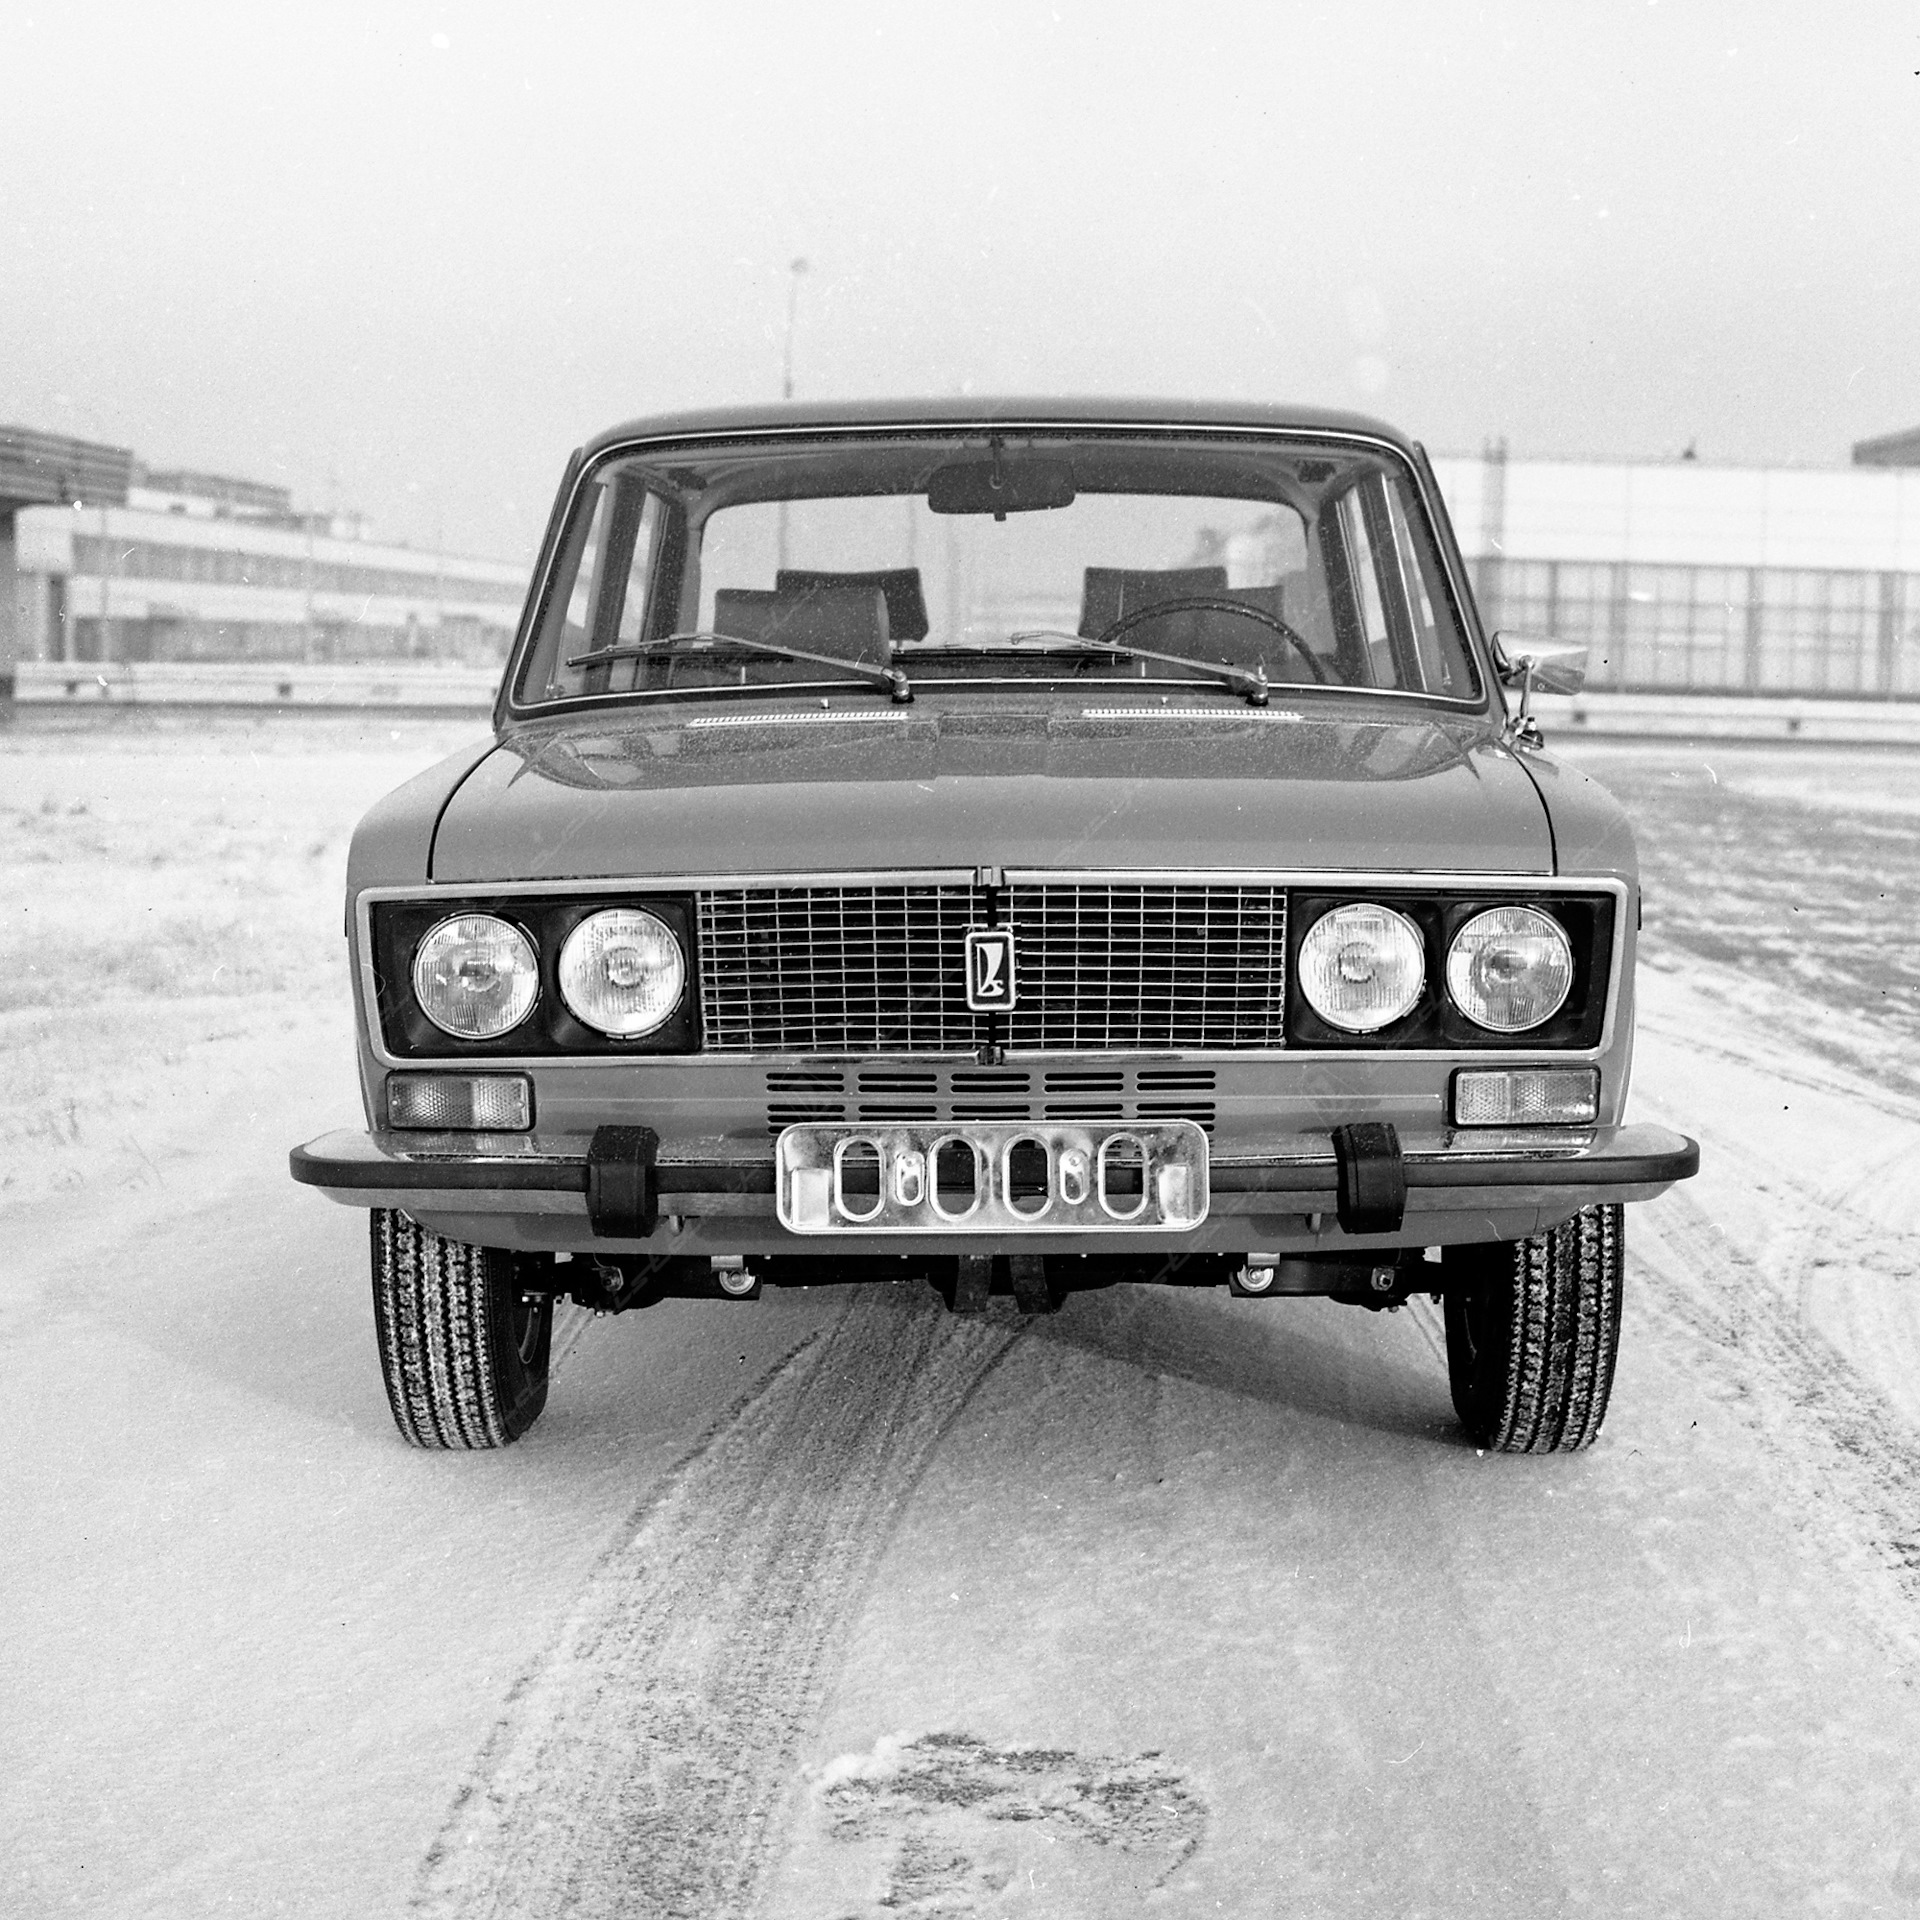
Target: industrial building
point(126, 562)
point(1686, 575)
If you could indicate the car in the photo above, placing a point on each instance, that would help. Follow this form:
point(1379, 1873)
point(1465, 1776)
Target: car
point(1017, 847)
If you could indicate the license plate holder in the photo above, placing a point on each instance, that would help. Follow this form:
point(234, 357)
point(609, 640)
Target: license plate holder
point(1028, 1177)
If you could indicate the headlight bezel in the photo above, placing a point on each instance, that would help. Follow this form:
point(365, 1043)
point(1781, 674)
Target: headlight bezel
point(396, 926)
point(1588, 919)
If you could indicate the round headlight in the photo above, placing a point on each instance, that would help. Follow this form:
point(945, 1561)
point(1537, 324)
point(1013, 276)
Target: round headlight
point(476, 977)
point(622, 972)
point(1510, 969)
point(1362, 967)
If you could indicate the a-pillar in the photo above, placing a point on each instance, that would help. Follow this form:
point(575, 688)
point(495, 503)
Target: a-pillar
point(13, 621)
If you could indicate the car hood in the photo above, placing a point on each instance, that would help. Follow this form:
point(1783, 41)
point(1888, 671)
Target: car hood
point(742, 792)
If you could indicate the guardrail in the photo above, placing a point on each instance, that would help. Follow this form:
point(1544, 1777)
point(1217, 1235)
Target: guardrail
point(416, 688)
point(253, 684)
point(1705, 716)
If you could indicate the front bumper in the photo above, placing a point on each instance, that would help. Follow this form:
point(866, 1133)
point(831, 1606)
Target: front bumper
point(531, 1191)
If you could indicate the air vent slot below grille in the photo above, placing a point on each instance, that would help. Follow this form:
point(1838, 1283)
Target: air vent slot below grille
point(780, 1116)
point(1199, 1111)
point(805, 1080)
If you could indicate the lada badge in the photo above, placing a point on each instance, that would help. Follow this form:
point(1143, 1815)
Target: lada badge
point(990, 982)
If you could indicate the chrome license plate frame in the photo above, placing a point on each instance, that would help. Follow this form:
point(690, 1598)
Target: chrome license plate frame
point(1118, 1176)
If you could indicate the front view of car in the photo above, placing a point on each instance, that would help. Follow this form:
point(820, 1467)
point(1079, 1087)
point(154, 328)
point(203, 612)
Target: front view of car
point(1021, 848)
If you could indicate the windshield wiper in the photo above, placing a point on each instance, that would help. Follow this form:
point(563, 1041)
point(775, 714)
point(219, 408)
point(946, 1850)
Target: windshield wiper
point(889, 677)
point(1252, 681)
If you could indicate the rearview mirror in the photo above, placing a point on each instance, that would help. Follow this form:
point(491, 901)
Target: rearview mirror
point(1001, 486)
point(1540, 666)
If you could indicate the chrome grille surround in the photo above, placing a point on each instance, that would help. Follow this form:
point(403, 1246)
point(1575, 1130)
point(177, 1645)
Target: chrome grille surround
point(1148, 966)
point(839, 968)
point(836, 969)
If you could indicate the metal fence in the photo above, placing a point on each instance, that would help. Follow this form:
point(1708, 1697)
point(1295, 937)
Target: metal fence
point(1755, 630)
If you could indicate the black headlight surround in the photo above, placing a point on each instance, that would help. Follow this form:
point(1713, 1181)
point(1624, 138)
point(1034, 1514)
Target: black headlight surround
point(398, 926)
point(1434, 1021)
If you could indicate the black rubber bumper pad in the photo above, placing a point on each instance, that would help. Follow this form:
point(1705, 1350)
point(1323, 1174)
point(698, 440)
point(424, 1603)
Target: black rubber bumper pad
point(1373, 1177)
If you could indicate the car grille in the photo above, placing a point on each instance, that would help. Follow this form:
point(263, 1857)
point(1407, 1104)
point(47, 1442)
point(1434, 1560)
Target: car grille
point(1130, 966)
point(837, 970)
point(1121, 966)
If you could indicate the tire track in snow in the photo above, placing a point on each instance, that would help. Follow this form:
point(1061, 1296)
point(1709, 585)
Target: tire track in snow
point(642, 1768)
point(1834, 1437)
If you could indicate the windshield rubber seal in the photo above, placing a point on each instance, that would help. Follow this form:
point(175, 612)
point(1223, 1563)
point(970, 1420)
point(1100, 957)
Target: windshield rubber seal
point(509, 709)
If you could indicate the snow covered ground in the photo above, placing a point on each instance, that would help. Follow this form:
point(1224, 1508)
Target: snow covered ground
point(831, 1605)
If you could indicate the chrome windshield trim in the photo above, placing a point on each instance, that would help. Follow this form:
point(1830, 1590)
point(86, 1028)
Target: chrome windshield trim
point(799, 719)
point(507, 708)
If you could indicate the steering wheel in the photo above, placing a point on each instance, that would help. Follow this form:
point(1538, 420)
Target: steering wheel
point(1217, 603)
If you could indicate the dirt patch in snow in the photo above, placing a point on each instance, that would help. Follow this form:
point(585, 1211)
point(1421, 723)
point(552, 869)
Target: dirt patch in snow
point(946, 1824)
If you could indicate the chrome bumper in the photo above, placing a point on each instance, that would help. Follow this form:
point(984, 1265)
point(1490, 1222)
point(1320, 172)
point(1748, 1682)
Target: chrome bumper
point(533, 1190)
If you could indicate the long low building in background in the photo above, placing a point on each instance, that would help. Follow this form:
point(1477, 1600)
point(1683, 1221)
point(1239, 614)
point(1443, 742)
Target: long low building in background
point(203, 567)
point(1686, 576)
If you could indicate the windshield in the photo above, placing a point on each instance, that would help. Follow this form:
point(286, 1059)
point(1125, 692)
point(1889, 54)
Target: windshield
point(1221, 564)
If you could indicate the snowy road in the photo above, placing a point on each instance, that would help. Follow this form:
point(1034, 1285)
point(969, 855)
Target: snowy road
point(833, 1605)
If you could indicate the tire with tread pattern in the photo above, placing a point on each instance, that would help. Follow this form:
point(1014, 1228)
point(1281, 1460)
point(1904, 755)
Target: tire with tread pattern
point(463, 1352)
point(1533, 1331)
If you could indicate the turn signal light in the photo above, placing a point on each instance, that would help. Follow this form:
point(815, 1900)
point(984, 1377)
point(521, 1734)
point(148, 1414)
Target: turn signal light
point(461, 1102)
point(1526, 1096)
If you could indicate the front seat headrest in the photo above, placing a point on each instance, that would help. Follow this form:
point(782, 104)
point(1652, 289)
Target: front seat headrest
point(1113, 592)
point(906, 603)
point(849, 623)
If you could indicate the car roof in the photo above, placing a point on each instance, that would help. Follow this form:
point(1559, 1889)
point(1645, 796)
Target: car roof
point(999, 410)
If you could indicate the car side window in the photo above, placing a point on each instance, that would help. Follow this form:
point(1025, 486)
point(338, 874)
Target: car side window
point(1385, 596)
point(1435, 662)
point(607, 575)
point(1370, 604)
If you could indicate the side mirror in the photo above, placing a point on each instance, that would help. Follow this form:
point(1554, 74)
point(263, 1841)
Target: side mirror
point(1539, 666)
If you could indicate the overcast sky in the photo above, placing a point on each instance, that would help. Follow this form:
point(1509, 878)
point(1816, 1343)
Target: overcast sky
point(404, 257)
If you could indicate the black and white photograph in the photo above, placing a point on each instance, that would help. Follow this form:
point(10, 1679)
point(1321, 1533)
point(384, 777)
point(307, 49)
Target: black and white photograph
point(960, 962)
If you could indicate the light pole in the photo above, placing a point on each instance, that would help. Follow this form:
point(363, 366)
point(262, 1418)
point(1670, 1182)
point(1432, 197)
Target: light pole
point(795, 269)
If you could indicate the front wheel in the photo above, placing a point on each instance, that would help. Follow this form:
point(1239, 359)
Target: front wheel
point(464, 1352)
point(1533, 1329)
